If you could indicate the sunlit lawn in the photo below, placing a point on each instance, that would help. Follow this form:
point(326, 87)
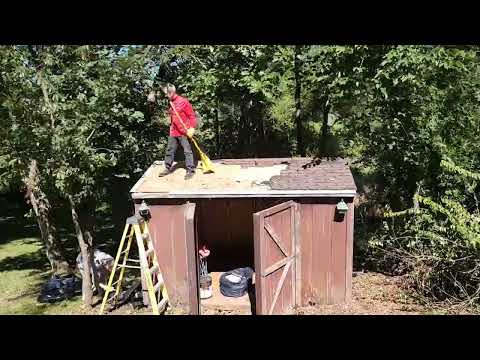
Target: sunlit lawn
point(23, 270)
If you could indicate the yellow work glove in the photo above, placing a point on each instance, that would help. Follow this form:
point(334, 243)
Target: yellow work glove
point(190, 132)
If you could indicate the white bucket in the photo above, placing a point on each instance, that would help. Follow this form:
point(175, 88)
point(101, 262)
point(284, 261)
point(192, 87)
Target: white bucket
point(206, 287)
point(206, 293)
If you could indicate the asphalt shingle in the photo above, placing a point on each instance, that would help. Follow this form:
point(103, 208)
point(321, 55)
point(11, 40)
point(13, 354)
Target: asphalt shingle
point(304, 173)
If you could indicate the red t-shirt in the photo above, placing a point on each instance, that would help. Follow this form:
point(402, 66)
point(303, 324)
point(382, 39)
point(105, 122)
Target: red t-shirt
point(185, 110)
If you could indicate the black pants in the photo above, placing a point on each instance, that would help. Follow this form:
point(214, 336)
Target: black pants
point(172, 146)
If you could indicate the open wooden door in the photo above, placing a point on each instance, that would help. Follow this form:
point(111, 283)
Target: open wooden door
point(277, 259)
point(173, 233)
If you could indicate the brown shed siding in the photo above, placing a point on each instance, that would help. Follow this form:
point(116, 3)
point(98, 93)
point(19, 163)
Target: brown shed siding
point(226, 227)
point(175, 249)
point(338, 258)
point(349, 252)
point(326, 251)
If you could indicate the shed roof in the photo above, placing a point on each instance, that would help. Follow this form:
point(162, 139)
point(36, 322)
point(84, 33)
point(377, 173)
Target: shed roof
point(267, 177)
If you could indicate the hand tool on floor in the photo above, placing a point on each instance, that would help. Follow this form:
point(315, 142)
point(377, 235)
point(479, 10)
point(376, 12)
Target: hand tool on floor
point(204, 252)
point(207, 166)
point(205, 279)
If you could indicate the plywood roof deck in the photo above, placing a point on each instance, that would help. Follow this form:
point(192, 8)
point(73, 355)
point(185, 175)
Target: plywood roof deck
point(250, 177)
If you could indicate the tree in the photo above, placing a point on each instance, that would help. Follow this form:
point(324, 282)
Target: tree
point(97, 102)
point(26, 130)
point(416, 100)
point(72, 125)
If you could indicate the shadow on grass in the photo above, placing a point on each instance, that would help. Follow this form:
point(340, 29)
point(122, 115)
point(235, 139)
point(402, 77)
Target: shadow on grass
point(33, 290)
point(13, 229)
point(33, 260)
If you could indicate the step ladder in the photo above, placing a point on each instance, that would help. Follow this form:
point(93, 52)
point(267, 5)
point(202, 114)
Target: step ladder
point(136, 227)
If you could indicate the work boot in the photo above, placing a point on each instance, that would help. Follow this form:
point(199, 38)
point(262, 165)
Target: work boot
point(165, 173)
point(189, 175)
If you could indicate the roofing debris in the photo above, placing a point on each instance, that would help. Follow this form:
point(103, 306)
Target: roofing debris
point(253, 174)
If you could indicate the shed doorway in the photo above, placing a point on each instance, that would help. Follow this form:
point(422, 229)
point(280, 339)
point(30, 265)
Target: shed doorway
point(250, 232)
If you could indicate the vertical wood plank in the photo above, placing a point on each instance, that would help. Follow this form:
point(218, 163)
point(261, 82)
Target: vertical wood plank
point(306, 252)
point(327, 219)
point(321, 246)
point(298, 254)
point(339, 248)
point(168, 229)
point(349, 252)
point(191, 257)
point(160, 230)
point(258, 250)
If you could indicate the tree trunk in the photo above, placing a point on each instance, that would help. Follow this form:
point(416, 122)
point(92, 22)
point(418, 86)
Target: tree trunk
point(262, 143)
point(42, 209)
point(87, 220)
point(86, 250)
point(298, 105)
point(325, 128)
point(324, 147)
point(217, 129)
point(416, 204)
point(243, 130)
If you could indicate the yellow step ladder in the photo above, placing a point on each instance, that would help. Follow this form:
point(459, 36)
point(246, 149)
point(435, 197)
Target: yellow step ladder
point(136, 227)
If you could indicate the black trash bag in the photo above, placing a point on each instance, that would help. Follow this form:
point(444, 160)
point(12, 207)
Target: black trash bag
point(137, 300)
point(132, 294)
point(60, 288)
point(234, 283)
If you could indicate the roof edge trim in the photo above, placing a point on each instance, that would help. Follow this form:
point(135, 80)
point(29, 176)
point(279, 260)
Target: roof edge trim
point(244, 194)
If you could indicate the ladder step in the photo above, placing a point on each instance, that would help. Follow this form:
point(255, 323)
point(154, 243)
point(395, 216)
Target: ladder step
point(106, 288)
point(149, 252)
point(147, 264)
point(162, 305)
point(158, 285)
point(129, 266)
point(154, 269)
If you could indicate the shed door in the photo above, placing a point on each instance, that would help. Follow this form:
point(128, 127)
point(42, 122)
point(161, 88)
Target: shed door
point(173, 234)
point(277, 261)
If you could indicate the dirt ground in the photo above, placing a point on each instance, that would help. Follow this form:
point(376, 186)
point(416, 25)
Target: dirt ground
point(377, 294)
point(372, 294)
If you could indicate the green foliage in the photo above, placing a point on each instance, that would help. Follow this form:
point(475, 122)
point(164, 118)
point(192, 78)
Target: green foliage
point(439, 244)
point(406, 117)
point(81, 116)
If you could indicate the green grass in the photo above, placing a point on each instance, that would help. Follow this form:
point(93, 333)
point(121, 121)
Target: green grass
point(23, 270)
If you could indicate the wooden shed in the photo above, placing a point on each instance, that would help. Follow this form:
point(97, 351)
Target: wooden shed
point(282, 217)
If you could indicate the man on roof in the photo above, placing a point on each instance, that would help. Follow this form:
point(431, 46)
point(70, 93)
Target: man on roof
point(182, 127)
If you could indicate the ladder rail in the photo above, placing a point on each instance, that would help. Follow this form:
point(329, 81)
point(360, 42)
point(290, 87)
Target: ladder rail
point(125, 258)
point(112, 274)
point(163, 291)
point(157, 294)
point(144, 265)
